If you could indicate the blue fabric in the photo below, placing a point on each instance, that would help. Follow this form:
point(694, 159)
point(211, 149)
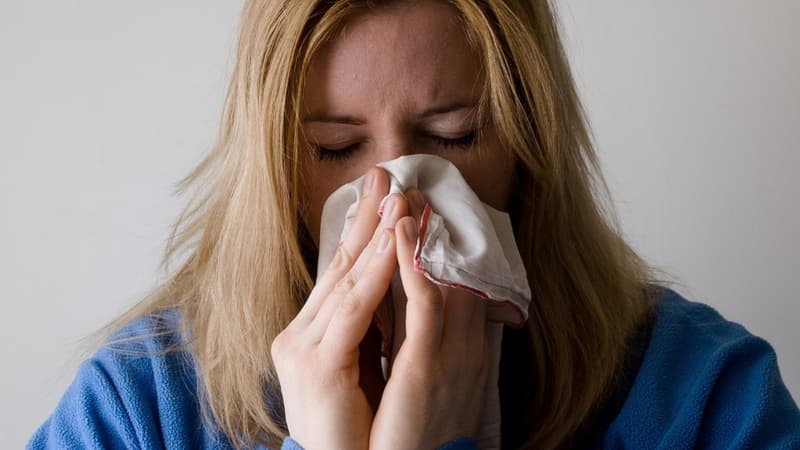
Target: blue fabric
point(290, 444)
point(460, 444)
point(703, 382)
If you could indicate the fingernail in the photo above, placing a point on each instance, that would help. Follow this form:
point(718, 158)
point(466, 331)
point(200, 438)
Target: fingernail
point(388, 207)
point(368, 182)
point(417, 199)
point(383, 241)
point(410, 229)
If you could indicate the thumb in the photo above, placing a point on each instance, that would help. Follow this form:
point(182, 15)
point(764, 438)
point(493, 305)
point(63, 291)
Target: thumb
point(425, 305)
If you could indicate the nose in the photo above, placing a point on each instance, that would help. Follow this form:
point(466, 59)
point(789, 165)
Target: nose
point(394, 143)
point(391, 149)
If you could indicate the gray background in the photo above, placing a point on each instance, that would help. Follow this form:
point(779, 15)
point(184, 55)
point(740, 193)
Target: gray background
point(105, 104)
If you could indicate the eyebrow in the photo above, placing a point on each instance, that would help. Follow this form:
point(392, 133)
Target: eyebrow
point(432, 111)
point(447, 108)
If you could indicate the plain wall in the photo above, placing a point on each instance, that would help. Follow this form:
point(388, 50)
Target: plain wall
point(105, 105)
point(695, 107)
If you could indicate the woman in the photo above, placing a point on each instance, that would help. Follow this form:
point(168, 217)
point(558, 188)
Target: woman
point(241, 347)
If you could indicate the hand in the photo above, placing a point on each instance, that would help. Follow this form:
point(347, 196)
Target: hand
point(436, 390)
point(317, 355)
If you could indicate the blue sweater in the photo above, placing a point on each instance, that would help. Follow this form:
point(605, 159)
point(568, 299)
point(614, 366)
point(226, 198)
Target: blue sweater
point(703, 382)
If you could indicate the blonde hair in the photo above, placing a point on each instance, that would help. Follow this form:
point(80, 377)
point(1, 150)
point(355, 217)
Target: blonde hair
point(247, 253)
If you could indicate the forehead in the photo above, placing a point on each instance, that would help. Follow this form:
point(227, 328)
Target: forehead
point(413, 54)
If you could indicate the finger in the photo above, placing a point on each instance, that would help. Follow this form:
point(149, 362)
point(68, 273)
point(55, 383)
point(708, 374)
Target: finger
point(464, 317)
point(399, 302)
point(464, 314)
point(394, 208)
point(374, 188)
point(416, 203)
point(424, 307)
point(355, 309)
point(480, 318)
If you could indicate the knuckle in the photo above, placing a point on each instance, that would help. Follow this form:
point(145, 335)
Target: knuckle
point(471, 362)
point(480, 363)
point(343, 259)
point(351, 303)
point(338, 379)
point(279, 345)
point(346, 284)
point(431, 302)
point(417, 369)
point(435, 302)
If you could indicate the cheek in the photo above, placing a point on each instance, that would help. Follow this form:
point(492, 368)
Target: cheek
point(492, 185)
point(492, 175)
point(317, 193)
point(322, 179)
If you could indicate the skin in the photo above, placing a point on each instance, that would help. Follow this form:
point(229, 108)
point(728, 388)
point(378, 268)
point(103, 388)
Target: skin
point(384, 72)
point(370, 87)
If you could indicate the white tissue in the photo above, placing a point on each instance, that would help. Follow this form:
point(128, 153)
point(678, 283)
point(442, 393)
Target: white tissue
point(463, 242)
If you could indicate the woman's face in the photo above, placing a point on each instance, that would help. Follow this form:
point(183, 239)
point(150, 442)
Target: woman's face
point(398, 81)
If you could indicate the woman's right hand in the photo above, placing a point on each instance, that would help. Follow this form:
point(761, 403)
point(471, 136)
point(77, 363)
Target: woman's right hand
point(316, 356)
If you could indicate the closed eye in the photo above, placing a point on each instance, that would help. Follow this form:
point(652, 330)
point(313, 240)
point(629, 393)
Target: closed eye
point(463, 142)
point(339, 154)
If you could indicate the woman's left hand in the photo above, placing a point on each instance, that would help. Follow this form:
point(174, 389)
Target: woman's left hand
point(436, 390)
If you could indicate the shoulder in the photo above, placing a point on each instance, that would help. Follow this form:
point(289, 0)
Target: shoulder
point(704, 381)
point(144, 360)
point(150, 349)
point(138, 390)
point(691, 334)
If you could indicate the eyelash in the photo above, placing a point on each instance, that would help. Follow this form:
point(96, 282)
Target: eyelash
point(463, 143)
